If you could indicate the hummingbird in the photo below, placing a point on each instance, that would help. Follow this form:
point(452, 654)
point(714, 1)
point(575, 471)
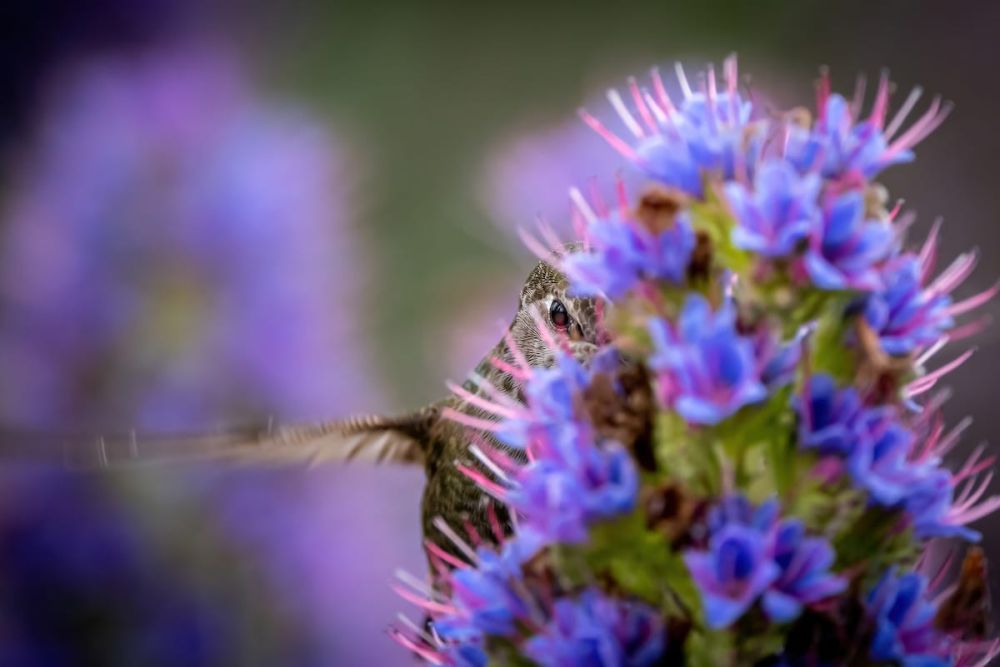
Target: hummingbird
point(425, 436)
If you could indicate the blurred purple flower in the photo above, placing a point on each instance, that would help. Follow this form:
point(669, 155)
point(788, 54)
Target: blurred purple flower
point(845, 250)
point(176, 252)
point(706, 370)
point(529, 176)
point(805, 575)
point(904, 623)
point(779, 213)
point(597, 631)
point(87, 582)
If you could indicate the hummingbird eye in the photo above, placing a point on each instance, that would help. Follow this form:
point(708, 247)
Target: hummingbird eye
point(558, 315)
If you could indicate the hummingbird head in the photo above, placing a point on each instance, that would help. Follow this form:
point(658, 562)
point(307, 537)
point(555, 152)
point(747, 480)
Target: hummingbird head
point(572, 318)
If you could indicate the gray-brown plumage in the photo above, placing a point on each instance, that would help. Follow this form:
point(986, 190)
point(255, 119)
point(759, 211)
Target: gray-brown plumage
point(422, 437)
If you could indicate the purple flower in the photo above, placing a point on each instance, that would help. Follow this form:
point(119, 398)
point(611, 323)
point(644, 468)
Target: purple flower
point(680, 145)
point(550, 395)
point(706, 370)
point(904, 315)
point(736, 509)
point(828, 416)
point(623, 252)
point(753, 554)
point(593, 630)
point(487, 597)
point(735, 570)
point(837, 145)
point(176, 252)
point(904, 623)
point(805, 575)
point(779, 213)
point(880, 462)
point(572, 479)
point(558, 501)
point(845, 250)
point(706, 137)
point(930, 508)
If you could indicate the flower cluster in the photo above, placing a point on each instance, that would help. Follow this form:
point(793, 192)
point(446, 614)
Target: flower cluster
point(753, 555)
point(725, 482)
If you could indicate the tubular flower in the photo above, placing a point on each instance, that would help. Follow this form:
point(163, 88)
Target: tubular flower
point(804, 577)
point(559, 503)
point(598, 631)
point(904, 623)
point(846, 249)
point(828, 416)
point(624, 252)
point(680, 145)
point(838, 146)
point(706, 370)
point(779, 213)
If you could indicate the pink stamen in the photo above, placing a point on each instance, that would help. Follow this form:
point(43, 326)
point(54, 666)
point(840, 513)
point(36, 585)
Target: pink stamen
point(599, 206)
point(511, 370)
point(485, 483)
point(480, 402)
point(640, 104)
point(424, 652)
point(822, 93)
point(928, 381)
point(549, 236)
point(969, 515)
point(858, 98)
point(661, 92)
point(491, 515)
point(970, 329)
point(470, 421)
point(462, 546)
point(956, 273)
point(928, 252)
point(972, 302)
point(896, 209)
point(502, 460)
point(626, 116)
point(904, 111)
point(423, 603)
point(622, 192)
point(881, 104)
point(580, 229)
point(613, 140)
point(932, 118)
point(533, 244)
point(443, 555)
point(473, 534)
point(515, 351)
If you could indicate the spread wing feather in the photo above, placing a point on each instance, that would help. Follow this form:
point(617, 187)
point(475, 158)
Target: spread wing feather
point(367, 438)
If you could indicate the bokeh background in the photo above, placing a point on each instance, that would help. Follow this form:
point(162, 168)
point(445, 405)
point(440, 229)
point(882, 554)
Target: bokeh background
point(219, 213)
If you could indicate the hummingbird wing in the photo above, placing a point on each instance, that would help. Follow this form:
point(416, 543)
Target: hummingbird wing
point(370, 438)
